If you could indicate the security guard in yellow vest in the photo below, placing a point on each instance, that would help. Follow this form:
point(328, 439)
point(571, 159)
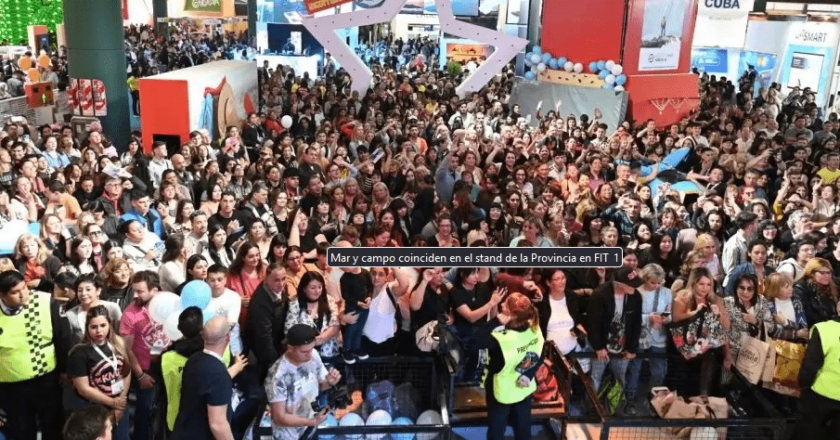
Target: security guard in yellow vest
point(34, 342)
point(819, 378)
point(172, 363)
point(514, 355)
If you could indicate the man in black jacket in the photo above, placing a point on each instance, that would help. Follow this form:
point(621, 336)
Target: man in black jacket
point(264, 331)
point(615, 324)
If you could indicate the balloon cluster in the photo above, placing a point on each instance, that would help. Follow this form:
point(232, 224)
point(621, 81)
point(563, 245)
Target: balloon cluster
point(611, 73)
point(166, 307)
point(539, 61)
point(383, 418)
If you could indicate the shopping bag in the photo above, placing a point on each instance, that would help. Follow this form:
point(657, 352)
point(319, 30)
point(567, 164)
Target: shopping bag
point(769, 362)
point(751, 358)
point(789, 357)
point(427, 338)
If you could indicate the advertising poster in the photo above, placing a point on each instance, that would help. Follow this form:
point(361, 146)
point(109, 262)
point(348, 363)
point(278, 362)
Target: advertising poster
point(710, 60)
point(809, 57)
point(722, 23)
point(100, 103)
point(465, 52)
point(313, 6)
point(72, 99)
point(764, 64)
point(86, 97)
point(203, 5)
point(662, 31)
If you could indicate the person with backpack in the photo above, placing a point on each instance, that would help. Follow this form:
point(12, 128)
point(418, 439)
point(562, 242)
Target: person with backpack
point(515, 354)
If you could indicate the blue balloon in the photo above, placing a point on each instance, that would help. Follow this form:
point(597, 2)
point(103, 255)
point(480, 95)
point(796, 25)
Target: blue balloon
point(196, 293)
point(528, 61)
point(402, 421)
point(621, 79)
point(603, 74)
point(593, 67)
point(530, 75)
point(602, 65)
point(537, 50)
point(552, 63)
point(208, 314)
point(562, 61)
point(609, 86)
point(546, 57)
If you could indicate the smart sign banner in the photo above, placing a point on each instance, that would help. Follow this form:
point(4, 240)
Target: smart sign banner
point(710, 60)
point(203, 5)
point(722, 23)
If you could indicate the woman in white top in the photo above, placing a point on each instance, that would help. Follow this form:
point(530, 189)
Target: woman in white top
point(560, 313)
point(173, 272)
point(656, 312)
point(380, 330)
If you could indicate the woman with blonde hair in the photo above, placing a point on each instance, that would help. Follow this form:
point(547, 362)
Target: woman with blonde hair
point(817, 291)
point(692, 261)
point(706, 246)
point(116, 275)
point(698, 296)
point(788, 315)
point(100, 369)
point(37, 264)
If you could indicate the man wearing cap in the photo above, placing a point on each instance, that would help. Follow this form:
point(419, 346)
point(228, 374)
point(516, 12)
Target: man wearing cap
point(294, 382)
point(291, 177)
point(615, 324)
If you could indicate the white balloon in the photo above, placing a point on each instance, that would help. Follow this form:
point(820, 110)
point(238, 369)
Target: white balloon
point(541, 67)
point(430, 417)
point(617, 69)
point(379, 417)
point(578, 68)
point(164, 304)
point(170, 327)
point(536, 58)
point(286, 121)
point(619, 88)
point(609, 65)
point(569, 66)
point(352, 419)
point(610, 79)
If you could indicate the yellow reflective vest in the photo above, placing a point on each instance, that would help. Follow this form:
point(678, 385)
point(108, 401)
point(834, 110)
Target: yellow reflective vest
point(172, 365)
point(26, 341)
point(827, 383)
point(521, 351)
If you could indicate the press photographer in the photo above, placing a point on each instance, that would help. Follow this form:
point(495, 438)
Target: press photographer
point(294, 383)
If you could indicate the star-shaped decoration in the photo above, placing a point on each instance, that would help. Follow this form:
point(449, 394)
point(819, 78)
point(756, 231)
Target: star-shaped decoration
point(323, 29)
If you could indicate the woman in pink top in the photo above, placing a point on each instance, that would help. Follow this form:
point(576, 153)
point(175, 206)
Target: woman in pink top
point(245, 275)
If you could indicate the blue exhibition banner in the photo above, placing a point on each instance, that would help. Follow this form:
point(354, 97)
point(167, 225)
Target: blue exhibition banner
point(807, 66)
point(764, 64)
point(710, 60)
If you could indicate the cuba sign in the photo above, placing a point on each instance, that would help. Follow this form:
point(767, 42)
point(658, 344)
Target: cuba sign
point(722, 4)
point(203, 5)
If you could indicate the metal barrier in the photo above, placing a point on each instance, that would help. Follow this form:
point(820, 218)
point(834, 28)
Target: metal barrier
point(695, 429)
point(420, 372)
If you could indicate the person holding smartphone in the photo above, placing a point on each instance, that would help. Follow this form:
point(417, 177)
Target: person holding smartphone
point(656, 312)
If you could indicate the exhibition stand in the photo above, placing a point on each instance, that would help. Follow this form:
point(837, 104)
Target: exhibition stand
point(299, 63)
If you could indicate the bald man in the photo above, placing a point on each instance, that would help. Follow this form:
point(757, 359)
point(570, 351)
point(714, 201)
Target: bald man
point(204, 413)
point(186, 178)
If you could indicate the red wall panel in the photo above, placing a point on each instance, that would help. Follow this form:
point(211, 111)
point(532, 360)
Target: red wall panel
point(633, 42)
point(681, 89)
point(165, 109)
point(583, 30)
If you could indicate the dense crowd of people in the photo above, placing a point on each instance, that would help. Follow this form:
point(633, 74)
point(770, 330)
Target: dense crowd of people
point(751, 242)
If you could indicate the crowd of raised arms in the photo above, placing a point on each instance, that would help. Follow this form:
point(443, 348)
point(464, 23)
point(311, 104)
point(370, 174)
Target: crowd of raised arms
point(733, 210)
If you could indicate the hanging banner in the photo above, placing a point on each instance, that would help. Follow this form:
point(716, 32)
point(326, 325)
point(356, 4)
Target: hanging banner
point(313, 6)
point(203, 6)
point(662, 30)
point(722, 23)
point(86, 97)
point(462, 52)
point(72, 100)
point(100, 103)
point(710, 60)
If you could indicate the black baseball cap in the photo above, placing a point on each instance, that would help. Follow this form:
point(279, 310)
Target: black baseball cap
point(300, 334)
point(626, 275)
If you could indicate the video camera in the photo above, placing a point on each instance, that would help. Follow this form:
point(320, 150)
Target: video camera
point(331, 398)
